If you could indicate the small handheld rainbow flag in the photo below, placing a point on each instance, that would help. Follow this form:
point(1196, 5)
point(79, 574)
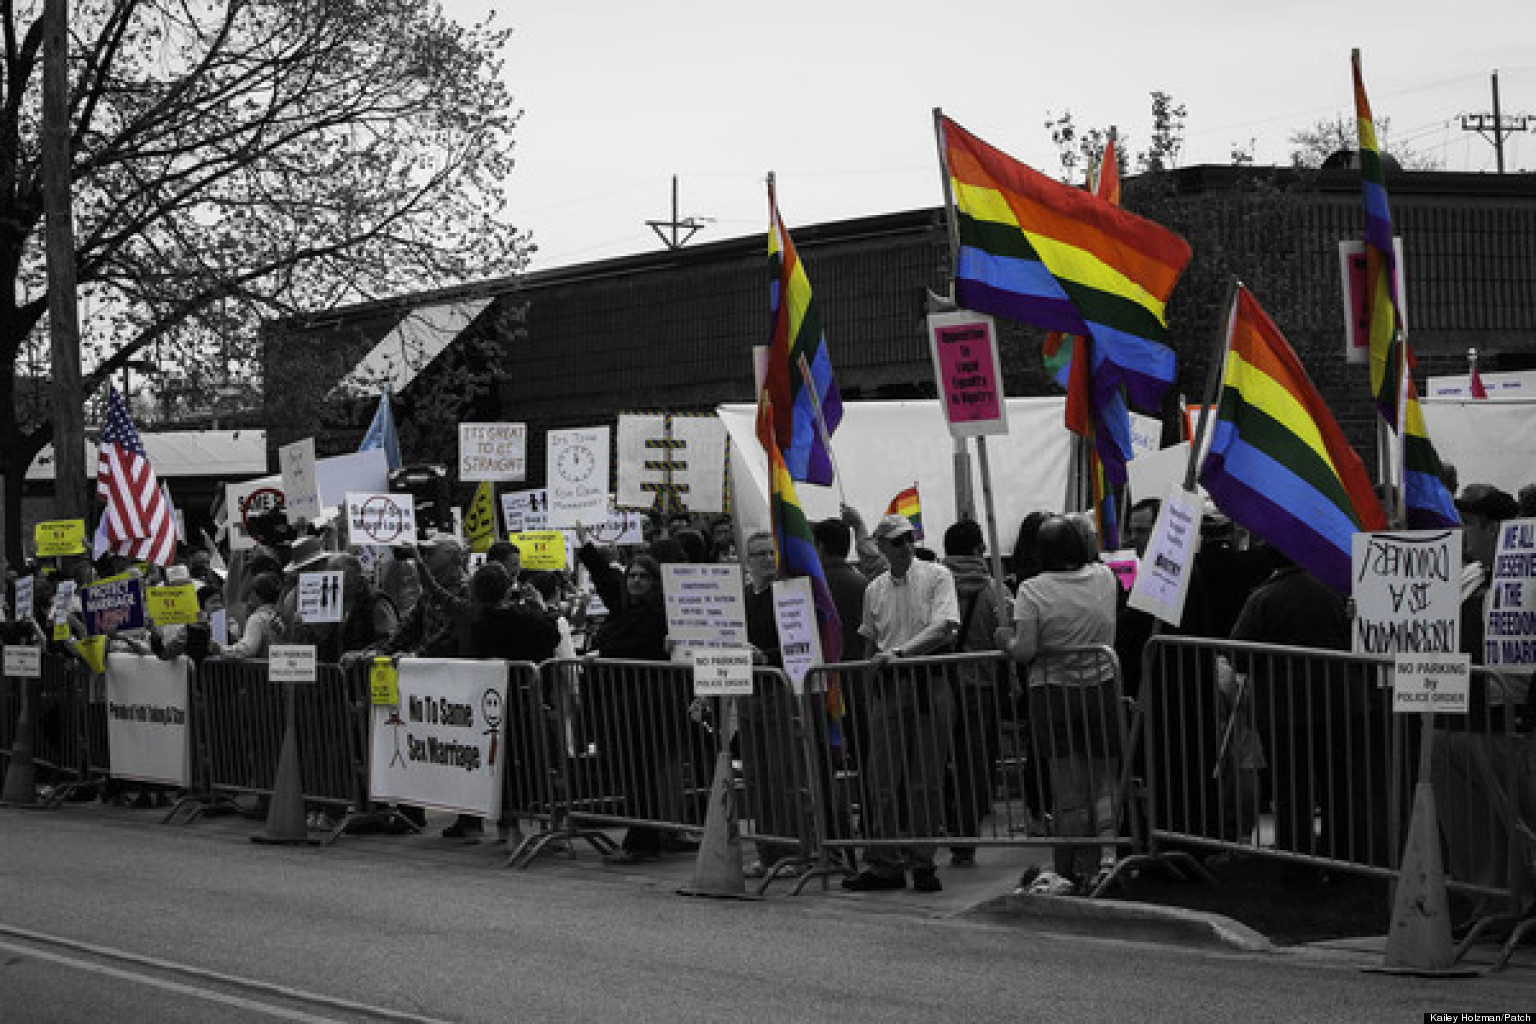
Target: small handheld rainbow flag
point(906, 504)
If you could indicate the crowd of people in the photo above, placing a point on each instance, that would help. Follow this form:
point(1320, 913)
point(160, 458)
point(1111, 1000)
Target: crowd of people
point(925, 745)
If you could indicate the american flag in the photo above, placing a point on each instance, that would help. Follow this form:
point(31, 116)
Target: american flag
point(139, 520)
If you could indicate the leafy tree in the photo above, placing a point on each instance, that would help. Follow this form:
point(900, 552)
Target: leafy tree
point(1315, 143)
point(238, 160)
point(1167, 135)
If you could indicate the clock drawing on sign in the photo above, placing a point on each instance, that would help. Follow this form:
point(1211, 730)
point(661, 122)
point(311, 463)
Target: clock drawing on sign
point(575, 463)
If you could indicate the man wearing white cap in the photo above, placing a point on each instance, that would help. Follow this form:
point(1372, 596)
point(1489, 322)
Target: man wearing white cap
point(909, 610)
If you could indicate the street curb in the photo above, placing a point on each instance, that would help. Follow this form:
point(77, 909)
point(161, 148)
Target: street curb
point(1130, 920)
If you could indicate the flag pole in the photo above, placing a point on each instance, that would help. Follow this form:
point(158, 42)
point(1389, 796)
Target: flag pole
point(1213, 379)
point(821, 424)
point(949, 200)
point(993, 550)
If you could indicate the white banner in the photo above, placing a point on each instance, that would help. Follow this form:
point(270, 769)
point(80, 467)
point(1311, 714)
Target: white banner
point(441, 746)
point(149, 735)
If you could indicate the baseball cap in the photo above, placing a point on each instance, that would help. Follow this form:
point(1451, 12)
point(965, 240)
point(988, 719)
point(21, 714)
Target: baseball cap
point(1487, 501)
point(892, 525)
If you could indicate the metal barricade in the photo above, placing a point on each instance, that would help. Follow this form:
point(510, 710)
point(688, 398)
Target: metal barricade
point(238, 720)
point(950, 750)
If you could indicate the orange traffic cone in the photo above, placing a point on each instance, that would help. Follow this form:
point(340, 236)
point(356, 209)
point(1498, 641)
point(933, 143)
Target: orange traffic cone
point(20, 773)
point(1419, 937)
point(717, 868)
point(285, 813)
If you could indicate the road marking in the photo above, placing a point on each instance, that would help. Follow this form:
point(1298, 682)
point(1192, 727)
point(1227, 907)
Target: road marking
point(34, 939)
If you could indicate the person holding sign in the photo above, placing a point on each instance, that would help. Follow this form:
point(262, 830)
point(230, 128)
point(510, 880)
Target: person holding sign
point(636, 629)
point(909, 610)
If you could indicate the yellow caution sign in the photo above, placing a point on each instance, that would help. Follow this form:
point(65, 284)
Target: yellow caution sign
point(59, 537)
point(384, 681)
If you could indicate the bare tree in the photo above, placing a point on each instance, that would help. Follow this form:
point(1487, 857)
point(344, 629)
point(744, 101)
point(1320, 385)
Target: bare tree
point(235, 160)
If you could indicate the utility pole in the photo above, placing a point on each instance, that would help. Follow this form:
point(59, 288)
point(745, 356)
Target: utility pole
point(1494, 127)
point(63, 313)
point(677, 240)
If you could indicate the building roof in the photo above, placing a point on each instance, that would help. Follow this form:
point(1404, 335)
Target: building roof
point(228, 454)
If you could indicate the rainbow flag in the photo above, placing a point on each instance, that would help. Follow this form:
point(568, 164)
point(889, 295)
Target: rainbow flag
point(906, 504)
point(795, 552)
point(1427, 502)
point(1278, 463)
point(1383, 319)
point(1044, 253)
point(797, 340)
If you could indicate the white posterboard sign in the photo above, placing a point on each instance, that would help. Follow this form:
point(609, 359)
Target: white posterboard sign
point(722, 672)
point(493, 451)
point(1407, 591)
point(705, 606)
point(149, 733)
point(704, 442)
point(291, 663)
point(442, 745)
point(577, 476)
point(794, 611)
point(635, 429)
point(301, 483)
point(23, 661)
point(965, 363)
point(63, 600)
point(1438, 683)
point(320, 597)
point(1162, 577)
point(527, 511)
point(1509, 630)
point(381, 519)
point(26, 591)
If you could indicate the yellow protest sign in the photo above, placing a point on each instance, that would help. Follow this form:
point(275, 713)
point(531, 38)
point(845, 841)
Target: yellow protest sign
point(172, 606)
point(480, 521)
point(61, 631)
point(541, 549)
point(60, 537)
point(384, 681)
point(94, 650)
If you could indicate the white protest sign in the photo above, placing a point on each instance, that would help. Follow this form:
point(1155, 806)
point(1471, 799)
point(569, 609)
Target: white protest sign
point(381, 519)
point(441, 745)
point(320, 597)
point(26, 590)
point(1509, 630)
point(525, 511)
point(365, 471)
point(577, 476)
point(63, 598)
point(683, 456)
point(493, 451)
point(794, 611)
point(1438, 683)
point(1162, 577)
point(291, 663)
point(1406, 591)
point(528, 512)
point(635, 429)
point(722, 672)
point(23, 661)
point(702, 479)
point(149, 734)
point(705, 607)
point(301, 484)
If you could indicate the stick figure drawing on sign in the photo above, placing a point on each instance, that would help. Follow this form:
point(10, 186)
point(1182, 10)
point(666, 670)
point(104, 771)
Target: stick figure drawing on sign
point(395, 720)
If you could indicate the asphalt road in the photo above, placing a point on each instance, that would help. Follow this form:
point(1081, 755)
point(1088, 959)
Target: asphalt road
point(106, 915)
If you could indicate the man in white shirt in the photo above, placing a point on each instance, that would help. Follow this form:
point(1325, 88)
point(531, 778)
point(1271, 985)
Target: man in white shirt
point(909, 610)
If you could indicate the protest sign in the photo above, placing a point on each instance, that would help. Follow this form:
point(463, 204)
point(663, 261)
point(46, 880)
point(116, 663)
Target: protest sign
point(26, 590)
point(320, 597)
point(794, 611)
point(1162, 577)
point(59, 538)
point(301, 483)
point(383, 682)
point(705, 606)
point(1406, 591)
point(493, 451)
point(113, 605)
point(291, 663)
point(172, 606)
point(1509, 629)
point(381, 519)
point(22, 661)
point(965, 363)
point(439, 745)
point(149, 732)
point(577, 477)
point(542, 550)
point(722, 672)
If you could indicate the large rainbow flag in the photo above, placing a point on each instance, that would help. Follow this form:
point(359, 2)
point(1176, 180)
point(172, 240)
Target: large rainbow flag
point(1044, 253)
point(1278, 462)
point(797, 342)
point(1427, 503)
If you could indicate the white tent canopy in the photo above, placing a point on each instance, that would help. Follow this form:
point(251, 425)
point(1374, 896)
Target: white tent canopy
point(1489, 440)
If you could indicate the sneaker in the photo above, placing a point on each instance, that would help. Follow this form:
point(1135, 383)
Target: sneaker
point(926, 880)
point(868, 881)
point(1051, 884)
